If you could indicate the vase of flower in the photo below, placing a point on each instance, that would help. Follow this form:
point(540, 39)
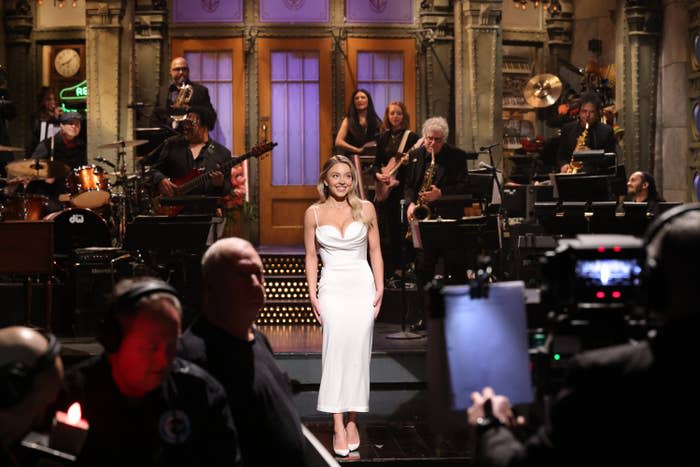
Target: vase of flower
point(239, 212)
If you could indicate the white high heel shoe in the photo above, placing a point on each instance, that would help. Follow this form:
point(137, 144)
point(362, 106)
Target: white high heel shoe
point(340, 452)
point(354, 446)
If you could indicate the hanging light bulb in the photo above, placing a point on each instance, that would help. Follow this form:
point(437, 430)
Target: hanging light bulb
point(74, 4)
point(40, 2)
point(61, 3)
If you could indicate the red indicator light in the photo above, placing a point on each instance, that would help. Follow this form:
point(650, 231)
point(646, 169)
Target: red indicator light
point(600, 295)
point(616, 294)
point(601, 249)
point(617, 249)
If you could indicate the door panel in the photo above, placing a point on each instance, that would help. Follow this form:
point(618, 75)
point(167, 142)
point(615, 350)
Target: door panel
point(295, 110)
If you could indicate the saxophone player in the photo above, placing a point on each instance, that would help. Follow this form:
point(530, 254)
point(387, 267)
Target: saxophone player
point(446, 165)
point(174, 98)
point(598, 136)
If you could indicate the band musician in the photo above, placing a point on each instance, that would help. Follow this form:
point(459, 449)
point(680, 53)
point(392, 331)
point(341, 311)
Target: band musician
point(190, 153)
point(174, 100)
point(434, 170)
point(598, 135)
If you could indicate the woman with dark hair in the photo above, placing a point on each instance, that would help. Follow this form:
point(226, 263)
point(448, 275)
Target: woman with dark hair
point(342, 229)
point(45, 121)
point(393, 144)
point(359, 130)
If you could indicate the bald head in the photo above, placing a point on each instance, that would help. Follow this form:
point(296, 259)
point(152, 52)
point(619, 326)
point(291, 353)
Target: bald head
point(232, 273)
point(31, 372)
point(179, 70)
point(21, 344)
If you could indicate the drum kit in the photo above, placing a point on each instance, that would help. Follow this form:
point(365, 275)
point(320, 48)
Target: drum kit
point(92, 203)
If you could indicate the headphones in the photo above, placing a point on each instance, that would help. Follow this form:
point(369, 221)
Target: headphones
point(652, 280)
point(110, 332)
point(17, 378)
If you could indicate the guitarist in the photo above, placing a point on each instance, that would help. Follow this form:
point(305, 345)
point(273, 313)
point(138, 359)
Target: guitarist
point(394, 140)
point(183, 155)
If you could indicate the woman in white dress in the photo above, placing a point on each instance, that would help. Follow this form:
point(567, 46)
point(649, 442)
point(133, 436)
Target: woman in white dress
point(342, 228)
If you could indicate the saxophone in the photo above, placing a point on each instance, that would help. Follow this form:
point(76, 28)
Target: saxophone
point(182, 101)
point(422, 211)
point(575, 166)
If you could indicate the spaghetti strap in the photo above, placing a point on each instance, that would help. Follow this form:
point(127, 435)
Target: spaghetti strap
point(315, 208)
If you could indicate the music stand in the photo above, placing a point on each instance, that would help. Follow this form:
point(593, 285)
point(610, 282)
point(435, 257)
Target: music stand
point(583, 187)
point(594, 160)
point(166, 234)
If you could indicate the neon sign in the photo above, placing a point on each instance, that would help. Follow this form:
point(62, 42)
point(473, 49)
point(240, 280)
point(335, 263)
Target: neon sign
point(79, 92)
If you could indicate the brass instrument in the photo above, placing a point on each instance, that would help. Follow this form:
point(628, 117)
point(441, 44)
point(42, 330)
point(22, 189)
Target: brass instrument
point(575, 166)
point(182, 101)
point(422, 211)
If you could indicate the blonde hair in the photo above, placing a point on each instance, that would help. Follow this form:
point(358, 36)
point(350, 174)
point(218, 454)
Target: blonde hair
point(352, 199)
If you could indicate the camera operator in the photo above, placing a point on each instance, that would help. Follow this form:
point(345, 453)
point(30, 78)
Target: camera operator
point(30, 378)
point(632, 404)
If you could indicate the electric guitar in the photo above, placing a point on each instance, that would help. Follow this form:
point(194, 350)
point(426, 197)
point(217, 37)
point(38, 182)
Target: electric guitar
point(382, 189)
point(196, 178)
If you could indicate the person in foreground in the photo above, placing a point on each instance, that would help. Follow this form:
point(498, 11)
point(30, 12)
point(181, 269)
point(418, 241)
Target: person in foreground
point(634, 404)
point(144, 406)
point(346, 301)
point(30, 378)
point(225, 342)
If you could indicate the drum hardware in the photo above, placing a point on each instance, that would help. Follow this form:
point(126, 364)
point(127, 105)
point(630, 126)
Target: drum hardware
point(4, 148)
point(89, 187)
point(37, 168)
point(542, 90)
point(123, 144)
point(78, 228)
point(24, 207)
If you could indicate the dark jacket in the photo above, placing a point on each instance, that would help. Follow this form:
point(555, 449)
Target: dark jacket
point(600, 136)
point(450, 176)
point(184, 422)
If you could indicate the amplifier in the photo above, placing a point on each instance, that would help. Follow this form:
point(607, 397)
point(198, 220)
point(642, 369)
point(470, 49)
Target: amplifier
point(93, 272)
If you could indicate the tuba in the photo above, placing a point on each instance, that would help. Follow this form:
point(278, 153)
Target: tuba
point(182, 101)
point(422, 211)
point(575, 166)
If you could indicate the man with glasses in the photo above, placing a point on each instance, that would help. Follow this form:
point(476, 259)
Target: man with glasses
point(170, 94)
point(193, 150)
point(448, 177)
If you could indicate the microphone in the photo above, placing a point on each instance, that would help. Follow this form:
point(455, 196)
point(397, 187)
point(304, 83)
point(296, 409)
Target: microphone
point(484, 165)
point(402, 202)
point(488, 148)
point(135, 105)
point(105, 161)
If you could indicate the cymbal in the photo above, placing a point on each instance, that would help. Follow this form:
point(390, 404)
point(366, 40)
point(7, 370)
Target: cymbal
point(542, 90)
point(10, 149)
point(123, 144)
point(37, 168)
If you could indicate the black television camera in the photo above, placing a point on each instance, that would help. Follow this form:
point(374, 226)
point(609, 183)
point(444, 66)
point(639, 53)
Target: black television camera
point(593, 271)
point(590, 298)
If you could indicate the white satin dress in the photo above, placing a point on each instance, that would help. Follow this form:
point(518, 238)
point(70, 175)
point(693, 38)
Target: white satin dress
point(345, 291)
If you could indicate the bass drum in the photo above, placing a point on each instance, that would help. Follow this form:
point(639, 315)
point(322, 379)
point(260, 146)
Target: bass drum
point(78, 228)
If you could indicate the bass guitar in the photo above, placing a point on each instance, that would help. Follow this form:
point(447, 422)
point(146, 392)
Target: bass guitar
point(196, 178)
point(383, 189)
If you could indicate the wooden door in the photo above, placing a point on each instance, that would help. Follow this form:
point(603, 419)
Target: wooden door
point(296, 113)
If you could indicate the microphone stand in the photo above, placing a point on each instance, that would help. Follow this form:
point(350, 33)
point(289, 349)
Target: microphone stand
point(403, 334)
point(499, 214)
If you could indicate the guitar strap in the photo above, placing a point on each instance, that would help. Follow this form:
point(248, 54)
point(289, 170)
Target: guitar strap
point(403, 141)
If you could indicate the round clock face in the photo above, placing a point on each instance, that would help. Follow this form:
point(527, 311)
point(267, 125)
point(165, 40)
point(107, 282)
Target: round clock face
point(67, 62)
